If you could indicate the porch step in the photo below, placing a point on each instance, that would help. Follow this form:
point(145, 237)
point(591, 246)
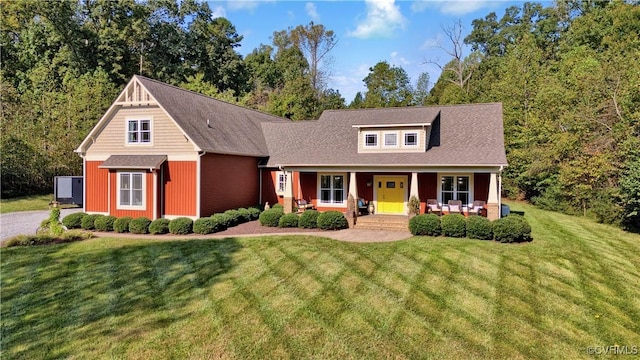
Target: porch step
point(383, 222)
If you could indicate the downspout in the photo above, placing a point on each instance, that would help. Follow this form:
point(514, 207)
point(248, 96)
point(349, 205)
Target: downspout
point(260, 186)
point(199, 182)
point(500, 190)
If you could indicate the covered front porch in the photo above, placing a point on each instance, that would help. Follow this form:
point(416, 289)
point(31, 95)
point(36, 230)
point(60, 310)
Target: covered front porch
point(388, 191)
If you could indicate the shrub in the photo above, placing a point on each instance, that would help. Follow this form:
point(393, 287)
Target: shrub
point(245, 215)
point(271, 217)
point(254, 212)
point(181, 226)
point(223, 220)
point(479, 227)
point(52, 224)
point(159, 226)
point(309, 219)
point(88, 222)
point(104, 223)
point(121, 225)
point(414, 205)
point(512, 228)
point(453, 225)
point(73, 221)
point(139, 225)
point(278, 206)
point(332, 220)
point(44, 239)
point(234, 217)
point(425, 224)
point(288, 220)
point(206, 226)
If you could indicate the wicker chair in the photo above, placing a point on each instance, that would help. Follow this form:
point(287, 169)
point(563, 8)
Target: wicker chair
point(433, 206)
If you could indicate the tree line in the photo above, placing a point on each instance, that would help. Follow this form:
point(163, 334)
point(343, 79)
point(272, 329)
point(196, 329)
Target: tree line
point(567, 75)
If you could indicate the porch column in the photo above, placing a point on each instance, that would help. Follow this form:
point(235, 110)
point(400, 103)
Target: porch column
point(288, 192)
point(493, 206)
point(353, 186)
point(414, 186)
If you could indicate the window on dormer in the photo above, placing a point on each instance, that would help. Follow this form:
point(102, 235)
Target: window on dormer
point(411, 139)
point(371, 140)
point(390, 139)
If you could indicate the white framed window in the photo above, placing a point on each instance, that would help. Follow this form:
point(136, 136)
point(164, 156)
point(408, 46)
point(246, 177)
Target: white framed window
point(370, 140)
point(138, 131)
point(131, 190)
point(456, 187)
point(331, 189)
point(281, 182)
point(410, 139)
point(390, 139)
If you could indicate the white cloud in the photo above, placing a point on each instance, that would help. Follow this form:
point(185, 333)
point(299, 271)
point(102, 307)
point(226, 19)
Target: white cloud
point(432, 42)
point(217, 12)
point(399, 60)
point(350, 82)
point(383, 18)
point(248, 5)
point(312, 11)
point(452, 7)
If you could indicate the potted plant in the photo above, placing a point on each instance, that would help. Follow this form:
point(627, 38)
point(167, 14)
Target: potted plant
point(414, 206)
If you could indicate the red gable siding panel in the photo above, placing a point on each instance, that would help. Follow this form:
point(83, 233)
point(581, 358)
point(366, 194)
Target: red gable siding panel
point(427, 188)
point(269, 186)
point(481, 187)
point(227, 182)
point(180, 195)
point(96, 187)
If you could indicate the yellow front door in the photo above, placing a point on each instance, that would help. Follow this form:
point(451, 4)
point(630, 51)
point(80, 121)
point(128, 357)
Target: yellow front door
point(390, 192)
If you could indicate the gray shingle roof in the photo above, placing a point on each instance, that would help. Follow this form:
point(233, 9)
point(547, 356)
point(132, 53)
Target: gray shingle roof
point(233, 129)
point(461, 135)
point(133, 162)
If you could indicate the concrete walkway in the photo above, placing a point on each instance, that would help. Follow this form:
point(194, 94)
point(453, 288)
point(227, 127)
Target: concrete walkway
point(348, 235)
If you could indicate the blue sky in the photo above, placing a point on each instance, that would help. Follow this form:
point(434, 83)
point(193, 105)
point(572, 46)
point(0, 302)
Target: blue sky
point(403, 33)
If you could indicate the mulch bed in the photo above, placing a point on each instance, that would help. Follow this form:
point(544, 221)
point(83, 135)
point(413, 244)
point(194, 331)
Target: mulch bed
point(249, 228)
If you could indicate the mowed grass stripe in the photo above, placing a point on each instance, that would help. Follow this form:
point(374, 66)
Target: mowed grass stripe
point(306, 297)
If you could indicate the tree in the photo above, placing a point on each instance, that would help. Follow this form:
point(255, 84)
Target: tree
point(421, 91)
point(460, 67)
point(212, 46)
point(315, 42)
point(387, 85)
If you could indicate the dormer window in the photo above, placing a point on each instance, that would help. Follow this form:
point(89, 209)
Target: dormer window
point(411, 139)
point(385, 138)
point(391, 139)
point(138, 131)
point(371, 140)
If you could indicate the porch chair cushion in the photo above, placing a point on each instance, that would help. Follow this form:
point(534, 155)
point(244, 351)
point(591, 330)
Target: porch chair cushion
point(455, 206)
point(433, 206)
point(476, 207)
point(303, 204)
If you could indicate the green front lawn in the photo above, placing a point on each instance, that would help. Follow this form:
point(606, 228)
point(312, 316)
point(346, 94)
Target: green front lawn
point(576, 285)
point(27, 203)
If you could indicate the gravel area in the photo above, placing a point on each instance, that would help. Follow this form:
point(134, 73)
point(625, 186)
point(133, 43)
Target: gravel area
point(25, 222)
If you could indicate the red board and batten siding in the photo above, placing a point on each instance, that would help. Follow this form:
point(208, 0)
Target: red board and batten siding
point(148, 212)
point(227, 182)
point(96, 185)
point(180, 188)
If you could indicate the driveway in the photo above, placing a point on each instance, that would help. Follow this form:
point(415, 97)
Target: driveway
point(25, 222)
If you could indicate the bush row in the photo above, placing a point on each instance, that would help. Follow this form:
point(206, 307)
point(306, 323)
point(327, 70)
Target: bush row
point(178, 226)
point(310, 219)
point(512, 228)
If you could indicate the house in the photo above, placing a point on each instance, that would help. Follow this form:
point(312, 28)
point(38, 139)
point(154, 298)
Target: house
point(162, 151)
